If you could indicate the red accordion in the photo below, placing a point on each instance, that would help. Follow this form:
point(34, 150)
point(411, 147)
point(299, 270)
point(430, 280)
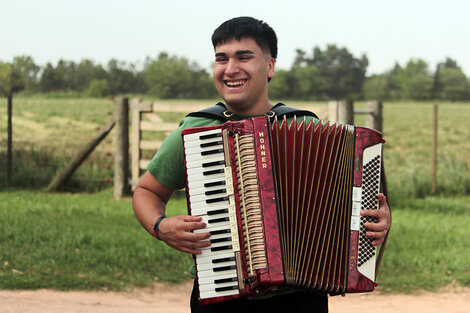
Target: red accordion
point(282, 202)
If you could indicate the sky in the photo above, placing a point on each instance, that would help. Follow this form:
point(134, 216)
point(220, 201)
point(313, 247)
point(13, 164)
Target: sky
point(387, 32)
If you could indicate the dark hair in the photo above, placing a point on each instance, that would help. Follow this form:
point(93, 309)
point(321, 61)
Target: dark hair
point(247, 27)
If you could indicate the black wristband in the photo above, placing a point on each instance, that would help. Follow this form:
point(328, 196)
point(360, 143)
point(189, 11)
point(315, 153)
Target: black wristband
point(157, 225)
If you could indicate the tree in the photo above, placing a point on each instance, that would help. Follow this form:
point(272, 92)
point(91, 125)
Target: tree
point(376, 87)
point(86, 72)
point(122, 78)
point(174, 77)
point(414, 81)
point(11, 82)
point(29, 72)
point(343, 73)
point(454, 85)
point(450, 83)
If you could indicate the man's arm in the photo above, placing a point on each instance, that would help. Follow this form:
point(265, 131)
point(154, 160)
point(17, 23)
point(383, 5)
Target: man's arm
point(150, 199)
point(378, 230)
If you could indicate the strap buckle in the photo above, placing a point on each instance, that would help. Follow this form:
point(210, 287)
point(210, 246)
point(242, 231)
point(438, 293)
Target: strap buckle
point(228, 114)
point(270, 114)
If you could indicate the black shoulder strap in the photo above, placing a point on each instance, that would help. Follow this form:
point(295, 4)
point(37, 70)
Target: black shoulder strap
point(220, 112)
point(282, 110)
point(215, 112)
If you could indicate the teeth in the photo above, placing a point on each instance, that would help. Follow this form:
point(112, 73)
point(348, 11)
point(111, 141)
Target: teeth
point(237, 83)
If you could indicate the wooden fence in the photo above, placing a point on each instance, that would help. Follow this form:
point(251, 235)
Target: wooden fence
point(146, 119)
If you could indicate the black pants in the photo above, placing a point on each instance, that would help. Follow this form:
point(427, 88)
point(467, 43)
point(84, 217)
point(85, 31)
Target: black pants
point(297, 302)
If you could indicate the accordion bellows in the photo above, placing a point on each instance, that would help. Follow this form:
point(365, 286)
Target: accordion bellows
point(282, 202)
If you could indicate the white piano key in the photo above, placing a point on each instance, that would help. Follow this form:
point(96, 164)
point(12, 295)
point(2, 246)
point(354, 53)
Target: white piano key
point(207, 190)
point(215, 280)
point(202, 267)
point(205, 288)
point(205, 211)
point(198, 198)
point(212, 276)
point(197, 143)
point(198, 163)
point(196, 157)
point(212, 294)
point(213, 181)
point(204, 178)
point(203, 150)
point(208, 252)
point(218, 245)
point(197, 136)
point(203, 204)
point(211, 259)
point(205, 170)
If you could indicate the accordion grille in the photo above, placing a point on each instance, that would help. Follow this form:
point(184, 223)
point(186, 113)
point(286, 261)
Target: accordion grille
point(313, 169)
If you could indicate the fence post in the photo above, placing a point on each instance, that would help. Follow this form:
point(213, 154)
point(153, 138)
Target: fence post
point(333, 111)
point(434, 153)
point(374, 119)
point(345, 112)
point(10, 141)
point(121, 155)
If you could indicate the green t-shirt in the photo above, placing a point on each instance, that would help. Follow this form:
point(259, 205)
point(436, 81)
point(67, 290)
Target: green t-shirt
point(168, 163)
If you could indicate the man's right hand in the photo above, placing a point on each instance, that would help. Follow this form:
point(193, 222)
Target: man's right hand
point(176, 232)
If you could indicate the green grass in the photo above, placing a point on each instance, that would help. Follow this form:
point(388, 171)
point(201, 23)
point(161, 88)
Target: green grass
point(82, 241)
point(428, 246)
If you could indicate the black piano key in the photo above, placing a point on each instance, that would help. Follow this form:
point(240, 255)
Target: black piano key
point(220, 231)
point(228, 247)
point(213, 200)
point(220, 211)
point(216, 183)
point(218, 220)
point(212, 172)
point(224, 280)
point(214, 192)
point(209, 152)
point(210, 144)
point(217, 240)
point(220, 289)
point(221, 260)
point(224, 268)
point(215, 163)
point(204, 137)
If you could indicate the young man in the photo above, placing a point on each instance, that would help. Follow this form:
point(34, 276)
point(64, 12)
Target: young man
point(245, 57)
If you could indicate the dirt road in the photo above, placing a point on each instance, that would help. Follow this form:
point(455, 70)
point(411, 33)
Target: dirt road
point(165, 299)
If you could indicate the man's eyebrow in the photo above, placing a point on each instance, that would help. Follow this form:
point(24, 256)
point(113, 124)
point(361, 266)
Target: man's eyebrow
point(239, 52)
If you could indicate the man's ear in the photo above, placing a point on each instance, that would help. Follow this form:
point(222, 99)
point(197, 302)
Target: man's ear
point(271, 65)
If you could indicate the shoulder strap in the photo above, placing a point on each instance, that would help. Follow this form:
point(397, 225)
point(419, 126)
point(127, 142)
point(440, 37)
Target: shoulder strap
point(220, 112)
point(216, 112)
point(282, 110)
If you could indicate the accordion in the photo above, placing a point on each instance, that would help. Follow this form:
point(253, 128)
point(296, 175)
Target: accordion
point(282, 203)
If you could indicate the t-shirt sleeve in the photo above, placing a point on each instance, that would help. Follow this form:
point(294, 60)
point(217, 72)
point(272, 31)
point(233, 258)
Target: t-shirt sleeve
point(168, 163)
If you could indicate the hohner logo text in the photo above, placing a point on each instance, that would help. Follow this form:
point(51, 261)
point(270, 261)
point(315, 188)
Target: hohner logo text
point(262, 149)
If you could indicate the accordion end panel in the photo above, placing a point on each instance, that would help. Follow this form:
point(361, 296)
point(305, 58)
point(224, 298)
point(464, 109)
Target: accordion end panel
point(367, 169)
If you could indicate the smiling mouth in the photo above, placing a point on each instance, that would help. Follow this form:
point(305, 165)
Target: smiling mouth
point(235, 83)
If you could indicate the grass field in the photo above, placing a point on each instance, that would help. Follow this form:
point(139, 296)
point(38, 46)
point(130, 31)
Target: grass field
point(90, 241)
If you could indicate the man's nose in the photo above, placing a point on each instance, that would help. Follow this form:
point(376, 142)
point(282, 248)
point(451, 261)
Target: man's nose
point(232, 67)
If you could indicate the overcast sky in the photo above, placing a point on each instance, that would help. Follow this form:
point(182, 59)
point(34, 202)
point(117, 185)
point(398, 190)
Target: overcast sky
point(129, 30)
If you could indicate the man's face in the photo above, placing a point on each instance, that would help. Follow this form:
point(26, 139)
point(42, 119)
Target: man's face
point(241, 73)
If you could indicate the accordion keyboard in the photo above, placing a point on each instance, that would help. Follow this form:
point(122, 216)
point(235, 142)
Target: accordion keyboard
point(209, 199)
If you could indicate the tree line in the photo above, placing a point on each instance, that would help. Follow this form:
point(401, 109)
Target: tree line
point(331, 73)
